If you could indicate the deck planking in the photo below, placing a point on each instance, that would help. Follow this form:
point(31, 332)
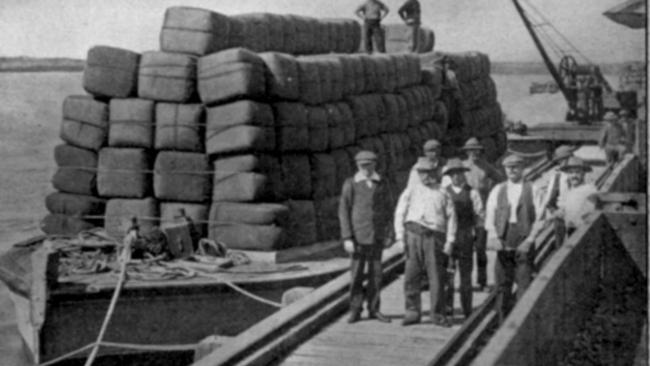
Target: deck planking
point(373, 343)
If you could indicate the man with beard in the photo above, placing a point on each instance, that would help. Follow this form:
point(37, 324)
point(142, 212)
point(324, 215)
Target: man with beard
point(425, 225)
point(578, 200)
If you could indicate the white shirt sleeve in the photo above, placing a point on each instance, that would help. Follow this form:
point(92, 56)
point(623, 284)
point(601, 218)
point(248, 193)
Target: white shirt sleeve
point(479, 210)
point(446, 181)
point(400, 213)
point(414, 179)
point(452, 220)
point(490, 207)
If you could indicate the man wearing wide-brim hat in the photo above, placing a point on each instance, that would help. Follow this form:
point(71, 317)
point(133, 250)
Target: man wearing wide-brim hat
point(482, 176)
point(364, 215)
point(425, 225)
point(509, 220)
point(433, 154)
point(612, 139)
point(578, 201)
point(470, 214)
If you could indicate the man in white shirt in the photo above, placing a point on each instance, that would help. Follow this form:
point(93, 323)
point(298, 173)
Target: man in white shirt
point(425, 224)
point(578, 200)
point(509, 220)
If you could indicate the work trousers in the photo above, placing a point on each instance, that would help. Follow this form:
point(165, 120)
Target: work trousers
point(370, 255)
point(510, 269)
point(462, 262)
point(372, 30)
point(480, 244)
point(613, 153)
point(424, 255)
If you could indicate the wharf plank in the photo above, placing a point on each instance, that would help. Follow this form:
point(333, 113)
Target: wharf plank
point(369, 342)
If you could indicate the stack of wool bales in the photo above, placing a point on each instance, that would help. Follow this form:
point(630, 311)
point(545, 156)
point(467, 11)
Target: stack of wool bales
point(399, 38)
point(254, 144)
point(479, 113)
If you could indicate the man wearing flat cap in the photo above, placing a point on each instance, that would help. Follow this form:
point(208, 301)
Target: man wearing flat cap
point(509, 220)
point(432, 154)
point(612, 139)
point(482, 176)
point(470, 215)
point(578, 201)
point(364, 215)
point(425, 225)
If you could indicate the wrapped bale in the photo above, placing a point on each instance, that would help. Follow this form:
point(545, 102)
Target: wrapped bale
point(77, 172)
point(231, 74)
point(119, 212)
point(327, 219)
point(248, 237)
point(335, 123)
point(194, 31)
point(85, 122)
point(182, 176)
point(289, 34)
point(490, 148)
point(296, 177)
point(347, 123)
point(276, 33)
point(198, 213)
point(167, 77)
point(58, 224)
point(291, 126)
point(301, 228)
point(240, 126)
point(323, 176)
point(282, 75)
point(180, 127)
point(370, 74)
point(259, 163)
point(317, 122)
point(241, 187)
point(123, 172)
point(441, 117)
point(249, 213)
point(360, 110)
point(255, 31)
point(345, 167)
point(74, 204)
point(310, 81)
point(111, 72)
point(131, 123)
point(358, 73)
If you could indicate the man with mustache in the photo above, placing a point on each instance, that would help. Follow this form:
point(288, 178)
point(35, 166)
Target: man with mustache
point(578, 200)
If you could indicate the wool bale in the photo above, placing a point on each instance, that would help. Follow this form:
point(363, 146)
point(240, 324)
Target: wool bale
point(357, 65)
point(123, 172)
point(323, 175)
point(310, 81)
point(327, 220)
point(370, 74)
point(275, 32)
point(198, 213)
point(296, 177)
point(242, 112)
point(230, 74)
point(58, 224)
point(325, 77)
point(391, 112)
point(347, 73)
point(111, 72)
point(260, 163)
point(119, 212)
point(241, 187)
point(490, 148)
point(334, 122)
point(256, 31)
point(377, 116)
point(360, 110)
point(441, 116)
point(282, 75)
point(77, 172)
point(344, 166)
point(500, 142)
point(179, 127)
point(181, 176)
point(241, 139)
point(249, 213)
point(289, 34)
point(131, 123)
point(301, 227)
point(338, 78)
point(347, 123)
point(292, 126)
point(317, 121)
point(194, 31)
point(74, 204)
point(302, 38)
point(355, 36)
point(390, 153)
point(381, 68)
point(248, 237)
point(85, 122)
point(167, 77)
point(237, 36)
point(398, 38)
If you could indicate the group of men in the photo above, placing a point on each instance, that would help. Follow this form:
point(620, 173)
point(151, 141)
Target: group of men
point(449, 210)
point(372, 12)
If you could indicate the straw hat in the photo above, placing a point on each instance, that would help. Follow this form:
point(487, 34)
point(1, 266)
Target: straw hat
point(453, 166)
point(473, 144)
point(575, 162)
point(513, 160)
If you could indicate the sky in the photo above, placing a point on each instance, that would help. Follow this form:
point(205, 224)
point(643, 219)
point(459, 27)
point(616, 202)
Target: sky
point(68, 28)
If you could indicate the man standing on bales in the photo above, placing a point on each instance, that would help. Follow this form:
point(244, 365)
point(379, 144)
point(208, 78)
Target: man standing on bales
point(372, 12)
point(364, 215)
point(410, 14)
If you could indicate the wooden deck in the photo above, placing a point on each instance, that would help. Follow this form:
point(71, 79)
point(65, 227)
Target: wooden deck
point(373, 343)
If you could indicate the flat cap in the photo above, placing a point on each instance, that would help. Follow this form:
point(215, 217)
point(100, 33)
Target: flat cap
point(610, 116)
point(365, 155)
point(513, 160)
point(454, 165)
point(473, 144)
point(431, 145)
point(424, 164)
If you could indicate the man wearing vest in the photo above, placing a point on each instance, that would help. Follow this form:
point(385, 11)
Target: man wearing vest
point(364, 215)
point(509, 219)
point(410, 14)
point(481, 176)
point(432, 154)
point(372, 12)
point(425, 225)
point(470, 214)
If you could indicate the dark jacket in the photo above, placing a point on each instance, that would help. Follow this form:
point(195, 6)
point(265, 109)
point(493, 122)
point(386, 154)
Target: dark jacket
point(365, 213)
